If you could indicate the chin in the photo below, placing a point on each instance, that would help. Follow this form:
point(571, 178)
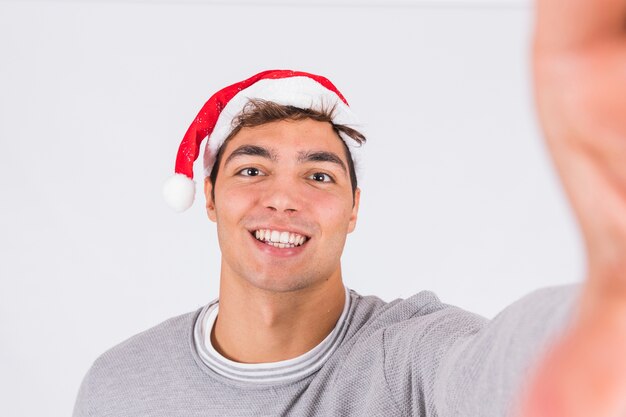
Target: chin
point(281, 283)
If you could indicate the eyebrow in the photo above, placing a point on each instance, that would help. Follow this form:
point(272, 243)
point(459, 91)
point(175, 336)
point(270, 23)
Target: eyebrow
point(321, 156)
point(253, 151)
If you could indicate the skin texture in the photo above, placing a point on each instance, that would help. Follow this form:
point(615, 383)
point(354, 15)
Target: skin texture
point(276, 304)
point(580, 89)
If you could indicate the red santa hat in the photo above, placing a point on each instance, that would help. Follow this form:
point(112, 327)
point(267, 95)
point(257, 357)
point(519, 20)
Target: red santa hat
point(214, 121)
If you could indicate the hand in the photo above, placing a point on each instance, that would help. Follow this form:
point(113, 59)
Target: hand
point(580, 88)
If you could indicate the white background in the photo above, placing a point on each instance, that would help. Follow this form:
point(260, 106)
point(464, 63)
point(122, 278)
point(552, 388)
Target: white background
point(459, 196)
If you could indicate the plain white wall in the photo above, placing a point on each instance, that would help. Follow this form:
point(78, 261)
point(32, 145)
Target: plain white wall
point(459, 196)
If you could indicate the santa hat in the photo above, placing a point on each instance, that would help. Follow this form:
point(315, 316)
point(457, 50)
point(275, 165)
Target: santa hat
point(214, 121)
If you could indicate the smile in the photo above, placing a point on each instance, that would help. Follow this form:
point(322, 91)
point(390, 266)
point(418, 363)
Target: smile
point(280, 239)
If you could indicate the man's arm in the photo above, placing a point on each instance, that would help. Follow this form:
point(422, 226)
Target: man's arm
point(580, 83)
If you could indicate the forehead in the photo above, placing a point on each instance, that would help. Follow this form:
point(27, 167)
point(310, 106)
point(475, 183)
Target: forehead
point(287, 138)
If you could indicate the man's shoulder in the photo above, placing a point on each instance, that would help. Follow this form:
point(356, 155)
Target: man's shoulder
point(408, 318)
point(423, 303)
point(166, 341)
point(133, 368)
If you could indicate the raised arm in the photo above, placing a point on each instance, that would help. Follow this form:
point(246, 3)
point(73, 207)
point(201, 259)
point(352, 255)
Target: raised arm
point(580, 88)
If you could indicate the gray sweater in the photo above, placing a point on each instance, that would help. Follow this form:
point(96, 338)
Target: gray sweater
point(413, 357)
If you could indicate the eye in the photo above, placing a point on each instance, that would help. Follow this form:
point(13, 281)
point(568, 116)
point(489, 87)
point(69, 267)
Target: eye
point(321, 177)
point(250, 172)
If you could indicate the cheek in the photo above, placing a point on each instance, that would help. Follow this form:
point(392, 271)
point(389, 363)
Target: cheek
point(232, 204)
point(334, 211)
point(239, 194)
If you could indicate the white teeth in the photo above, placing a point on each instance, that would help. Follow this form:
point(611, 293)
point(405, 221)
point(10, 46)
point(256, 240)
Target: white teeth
point(279, 239)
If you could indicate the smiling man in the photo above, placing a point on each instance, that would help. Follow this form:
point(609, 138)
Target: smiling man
point(285, 337)
point(284, 201)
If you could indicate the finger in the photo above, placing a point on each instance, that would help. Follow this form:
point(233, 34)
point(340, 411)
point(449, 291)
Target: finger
point(572, 24)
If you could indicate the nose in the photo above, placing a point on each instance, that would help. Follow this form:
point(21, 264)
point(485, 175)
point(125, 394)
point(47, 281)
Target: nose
point(282, 196)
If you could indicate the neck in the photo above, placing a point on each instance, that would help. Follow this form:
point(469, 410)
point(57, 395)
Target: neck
point(258, 326)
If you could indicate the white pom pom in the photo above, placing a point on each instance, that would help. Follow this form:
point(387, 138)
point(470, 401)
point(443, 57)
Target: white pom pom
point(179, 191)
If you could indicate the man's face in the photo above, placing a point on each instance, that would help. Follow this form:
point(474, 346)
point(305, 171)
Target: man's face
point(284, 181)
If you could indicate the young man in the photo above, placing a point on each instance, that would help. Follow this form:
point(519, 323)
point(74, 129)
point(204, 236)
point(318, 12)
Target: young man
point(287, 338)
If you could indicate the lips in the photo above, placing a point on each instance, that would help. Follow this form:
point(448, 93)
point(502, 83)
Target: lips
point(280, 238)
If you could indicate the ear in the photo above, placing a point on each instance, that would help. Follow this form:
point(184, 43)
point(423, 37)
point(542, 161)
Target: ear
point(355, 210)
point(210, 204)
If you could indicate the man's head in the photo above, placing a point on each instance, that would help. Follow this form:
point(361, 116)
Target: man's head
point(280, 178)
point(283, 202)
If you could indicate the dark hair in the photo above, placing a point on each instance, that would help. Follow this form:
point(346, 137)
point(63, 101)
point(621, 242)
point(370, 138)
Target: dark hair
point(258, 112)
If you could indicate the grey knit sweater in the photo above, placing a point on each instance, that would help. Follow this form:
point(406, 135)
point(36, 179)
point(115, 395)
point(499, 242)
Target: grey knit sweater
point(413, 357)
